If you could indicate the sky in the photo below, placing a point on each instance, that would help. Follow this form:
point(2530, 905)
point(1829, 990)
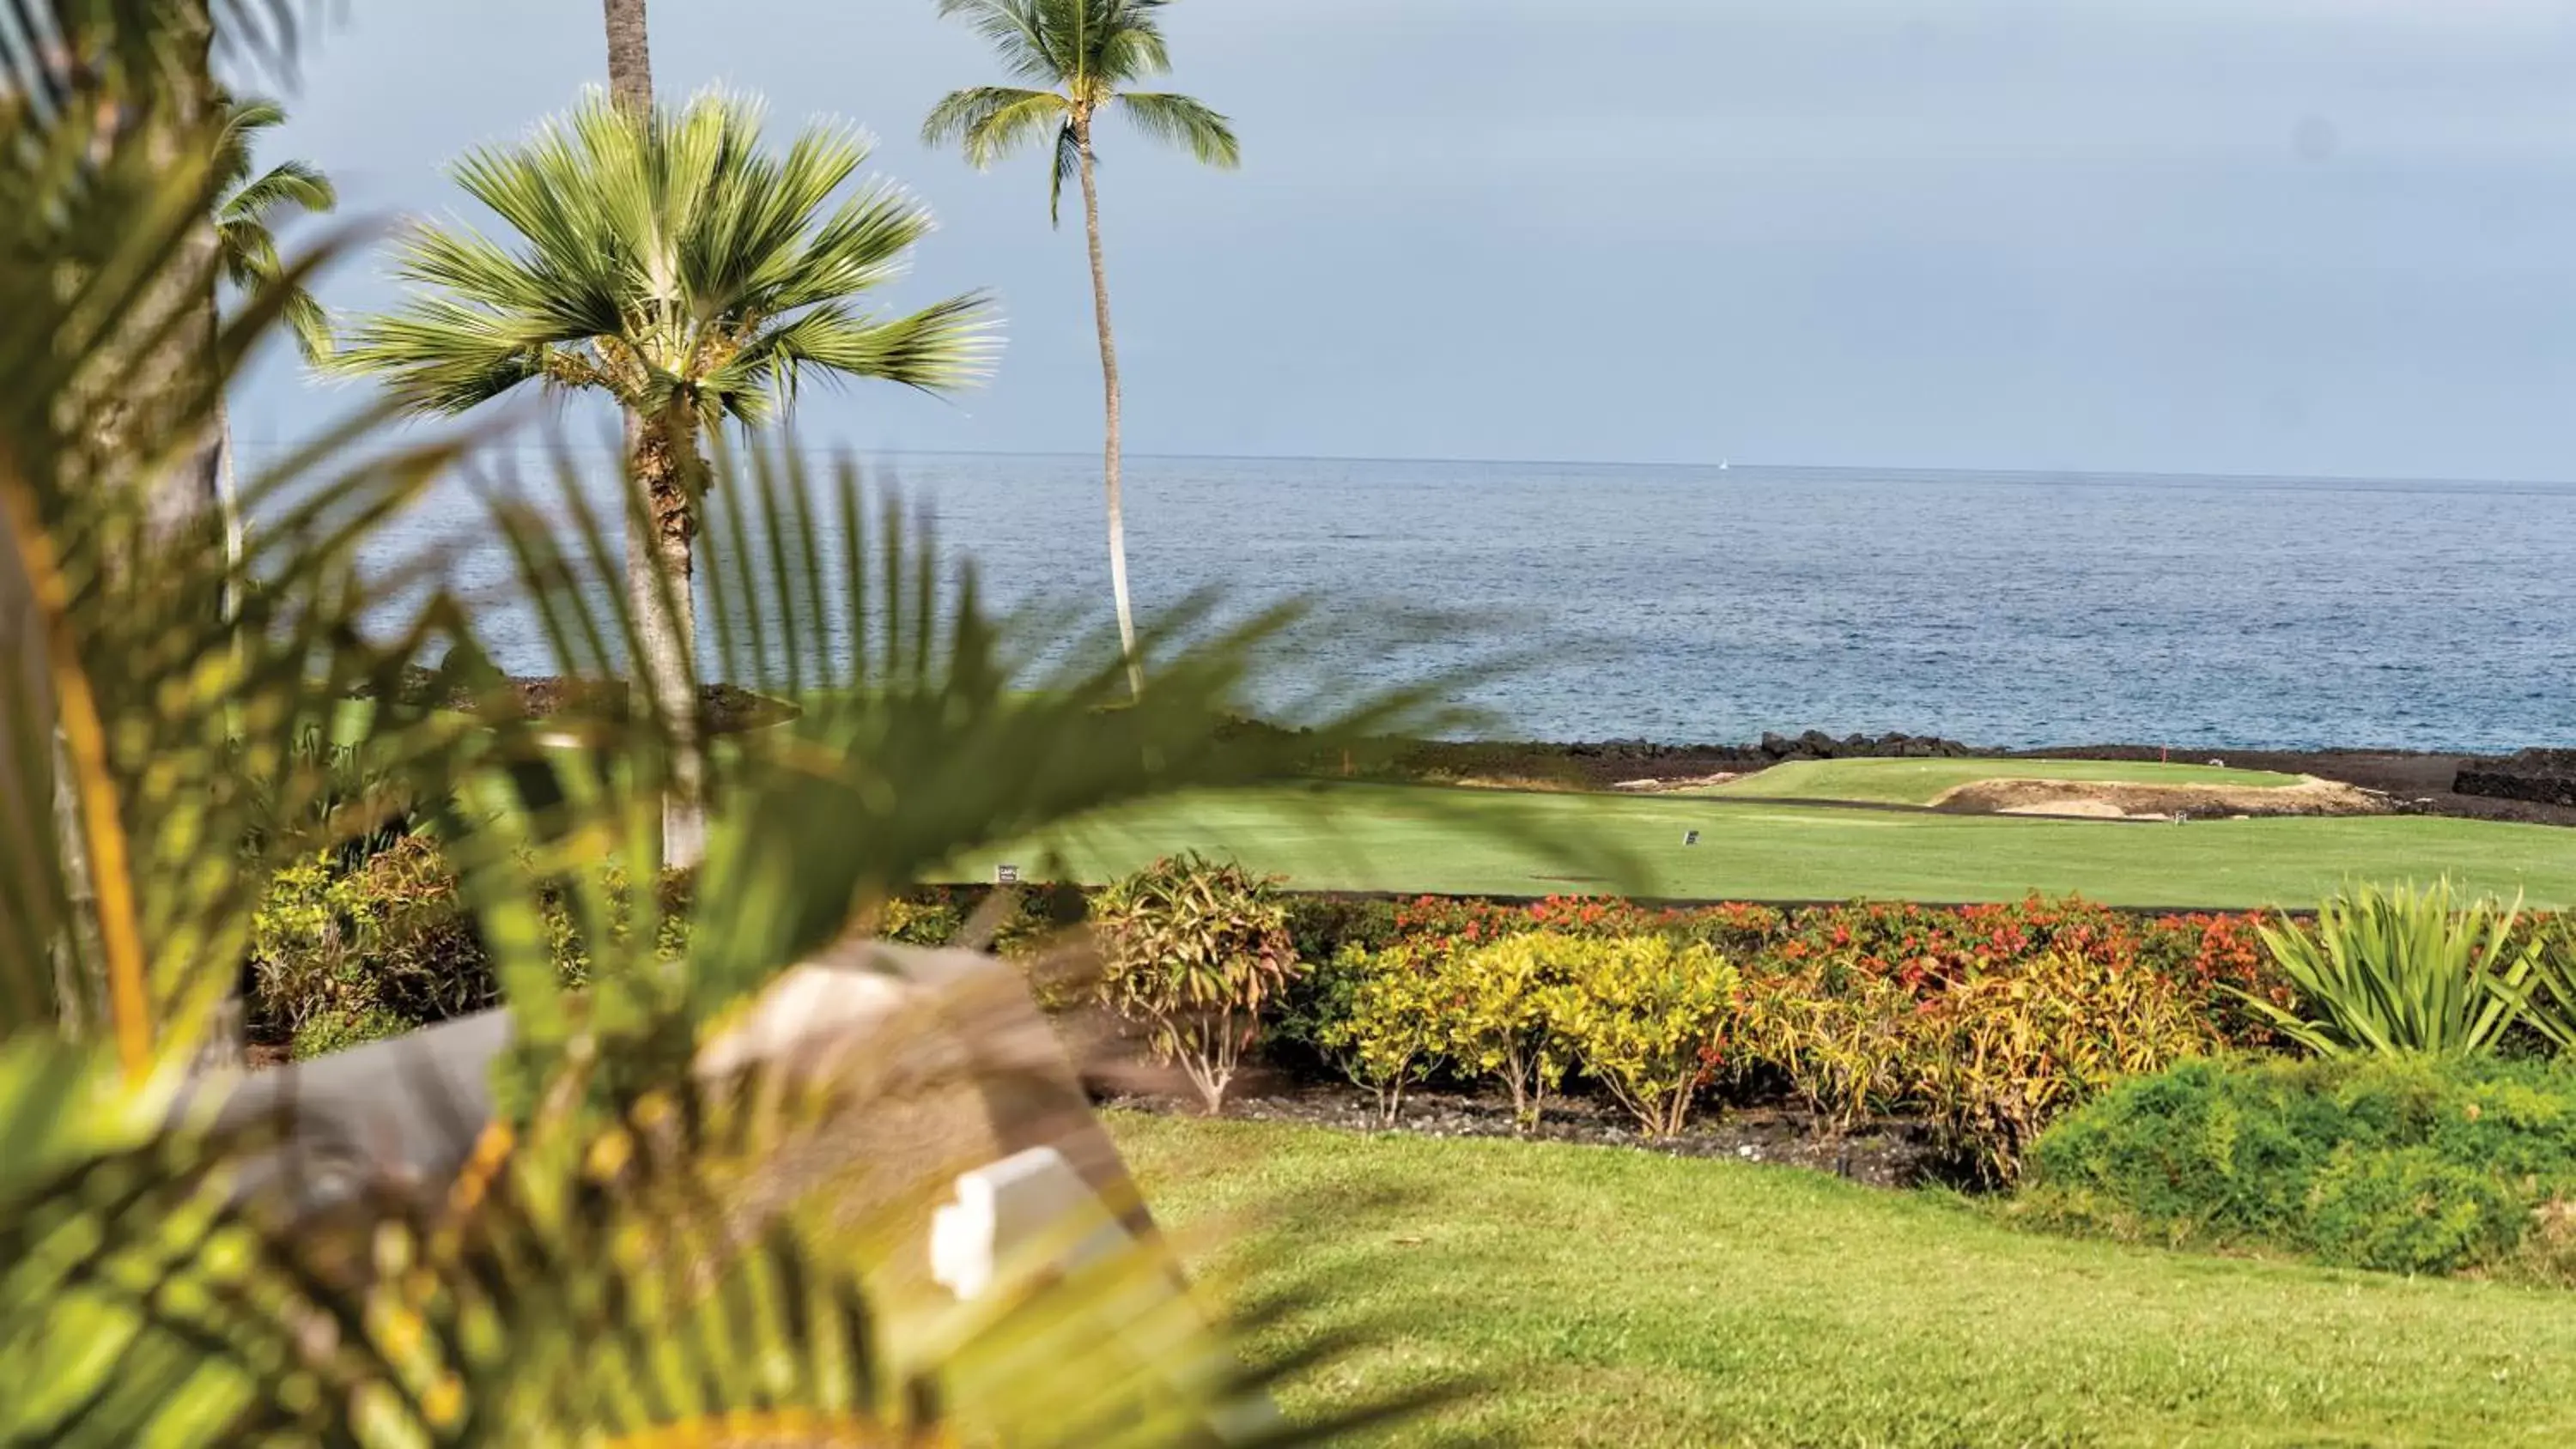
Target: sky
point(2313, 237)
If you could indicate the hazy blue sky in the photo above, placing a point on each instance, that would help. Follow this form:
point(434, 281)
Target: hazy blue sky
point(2297, 236)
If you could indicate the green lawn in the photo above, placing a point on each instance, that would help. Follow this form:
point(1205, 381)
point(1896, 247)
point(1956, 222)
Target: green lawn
point(1427, 838)
point(1617, 1298)
point(1920, 782)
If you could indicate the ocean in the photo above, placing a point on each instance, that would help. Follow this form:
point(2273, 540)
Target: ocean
point(1703, 604)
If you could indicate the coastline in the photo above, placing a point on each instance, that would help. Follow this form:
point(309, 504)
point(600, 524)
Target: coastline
point(2416, 781)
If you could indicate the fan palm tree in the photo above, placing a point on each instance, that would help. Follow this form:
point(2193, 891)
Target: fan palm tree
point(1084, 54)
point(668, 262)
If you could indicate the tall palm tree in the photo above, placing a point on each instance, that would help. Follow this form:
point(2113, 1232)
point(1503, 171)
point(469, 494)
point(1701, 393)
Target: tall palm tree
point(669, 262)
point(1084, 53)
point(246, 208)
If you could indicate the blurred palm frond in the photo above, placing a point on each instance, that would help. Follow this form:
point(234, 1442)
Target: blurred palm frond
point(594, 1275)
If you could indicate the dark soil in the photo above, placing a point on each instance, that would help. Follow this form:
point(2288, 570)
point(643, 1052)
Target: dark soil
point(728, 708)
point(1881, 1154)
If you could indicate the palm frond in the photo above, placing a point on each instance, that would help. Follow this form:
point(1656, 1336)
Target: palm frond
point(54, 50)
point(1184, 122)
point(1067, 167)
point(287, 186)
point(941, 348)
point(1026, 33)
point(439, 356)
point(1126, 41)
point(992, 121)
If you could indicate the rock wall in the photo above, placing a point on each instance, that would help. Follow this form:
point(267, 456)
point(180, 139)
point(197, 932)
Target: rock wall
point(1813, 745)
point(2542, 777)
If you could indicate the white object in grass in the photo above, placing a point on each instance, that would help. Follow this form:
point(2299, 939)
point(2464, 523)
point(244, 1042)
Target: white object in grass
point(1030, 1205)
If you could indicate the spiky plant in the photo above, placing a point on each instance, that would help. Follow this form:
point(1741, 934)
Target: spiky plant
point(2402, 970)
point(1079, 59)
point(669, 261)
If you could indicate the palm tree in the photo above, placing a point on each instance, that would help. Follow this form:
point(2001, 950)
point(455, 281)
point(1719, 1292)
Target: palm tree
point(1084, 52)
point(670, 263)
point(246, 251)
point(246, 206)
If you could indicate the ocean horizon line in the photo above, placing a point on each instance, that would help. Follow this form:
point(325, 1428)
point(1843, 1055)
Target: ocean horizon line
point(1887, 472)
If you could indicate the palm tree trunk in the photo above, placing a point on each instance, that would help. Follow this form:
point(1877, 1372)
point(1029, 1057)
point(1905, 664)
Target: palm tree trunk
point(1109, 393)
point(664, 465)
point(630, 55)
point(228, 506)
point(658, 568)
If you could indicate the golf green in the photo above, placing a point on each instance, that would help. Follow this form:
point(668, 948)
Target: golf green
point(1920, 782)
point(1458, 841)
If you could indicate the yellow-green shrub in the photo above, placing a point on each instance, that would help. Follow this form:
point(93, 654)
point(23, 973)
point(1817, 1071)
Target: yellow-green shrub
point(1384, 1019)
point(1836, 1038)
point(1647, 1017)
point(1502, 1000)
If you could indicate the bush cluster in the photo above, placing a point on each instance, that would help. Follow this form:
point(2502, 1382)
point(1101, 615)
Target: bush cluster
point(1983, 1021)
point(2407, 1164)
point(1987, 1050)
point(1645, 1017)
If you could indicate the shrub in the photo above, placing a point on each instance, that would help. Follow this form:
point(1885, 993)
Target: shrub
point(1996, 1059)
point(1193, 950)
point(2417, 1165)
point(1323, 925)
point(1501, 1001)
point(1382, 1019)
point(388, 936)
point(2398, 969)
point(1648, 1019)
point(340, 1028)
point(1833, 1037)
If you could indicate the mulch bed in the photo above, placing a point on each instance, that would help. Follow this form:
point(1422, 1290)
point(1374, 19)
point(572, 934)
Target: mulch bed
point(728, 708)
point(1889, 1153)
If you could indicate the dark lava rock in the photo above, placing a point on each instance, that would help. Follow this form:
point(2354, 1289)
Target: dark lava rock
point(1891, 1153)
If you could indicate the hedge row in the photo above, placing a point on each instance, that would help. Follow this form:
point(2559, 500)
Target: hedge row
point(1984, 1020)
point(1986, 1049)
point(390, 934)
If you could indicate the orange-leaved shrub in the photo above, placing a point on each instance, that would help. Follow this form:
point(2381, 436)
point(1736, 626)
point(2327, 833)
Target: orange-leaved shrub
point(1194, 951)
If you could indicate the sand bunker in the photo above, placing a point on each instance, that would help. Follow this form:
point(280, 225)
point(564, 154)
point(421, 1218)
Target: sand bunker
point(2107, 800)
point(1674, 786)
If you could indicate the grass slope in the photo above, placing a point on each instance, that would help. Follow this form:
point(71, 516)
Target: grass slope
point(1920, 782)
point(1427, 838)
point(1619, 1298)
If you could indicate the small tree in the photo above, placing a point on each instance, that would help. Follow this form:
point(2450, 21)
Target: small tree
point(671, 261)
point(1192, 950)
